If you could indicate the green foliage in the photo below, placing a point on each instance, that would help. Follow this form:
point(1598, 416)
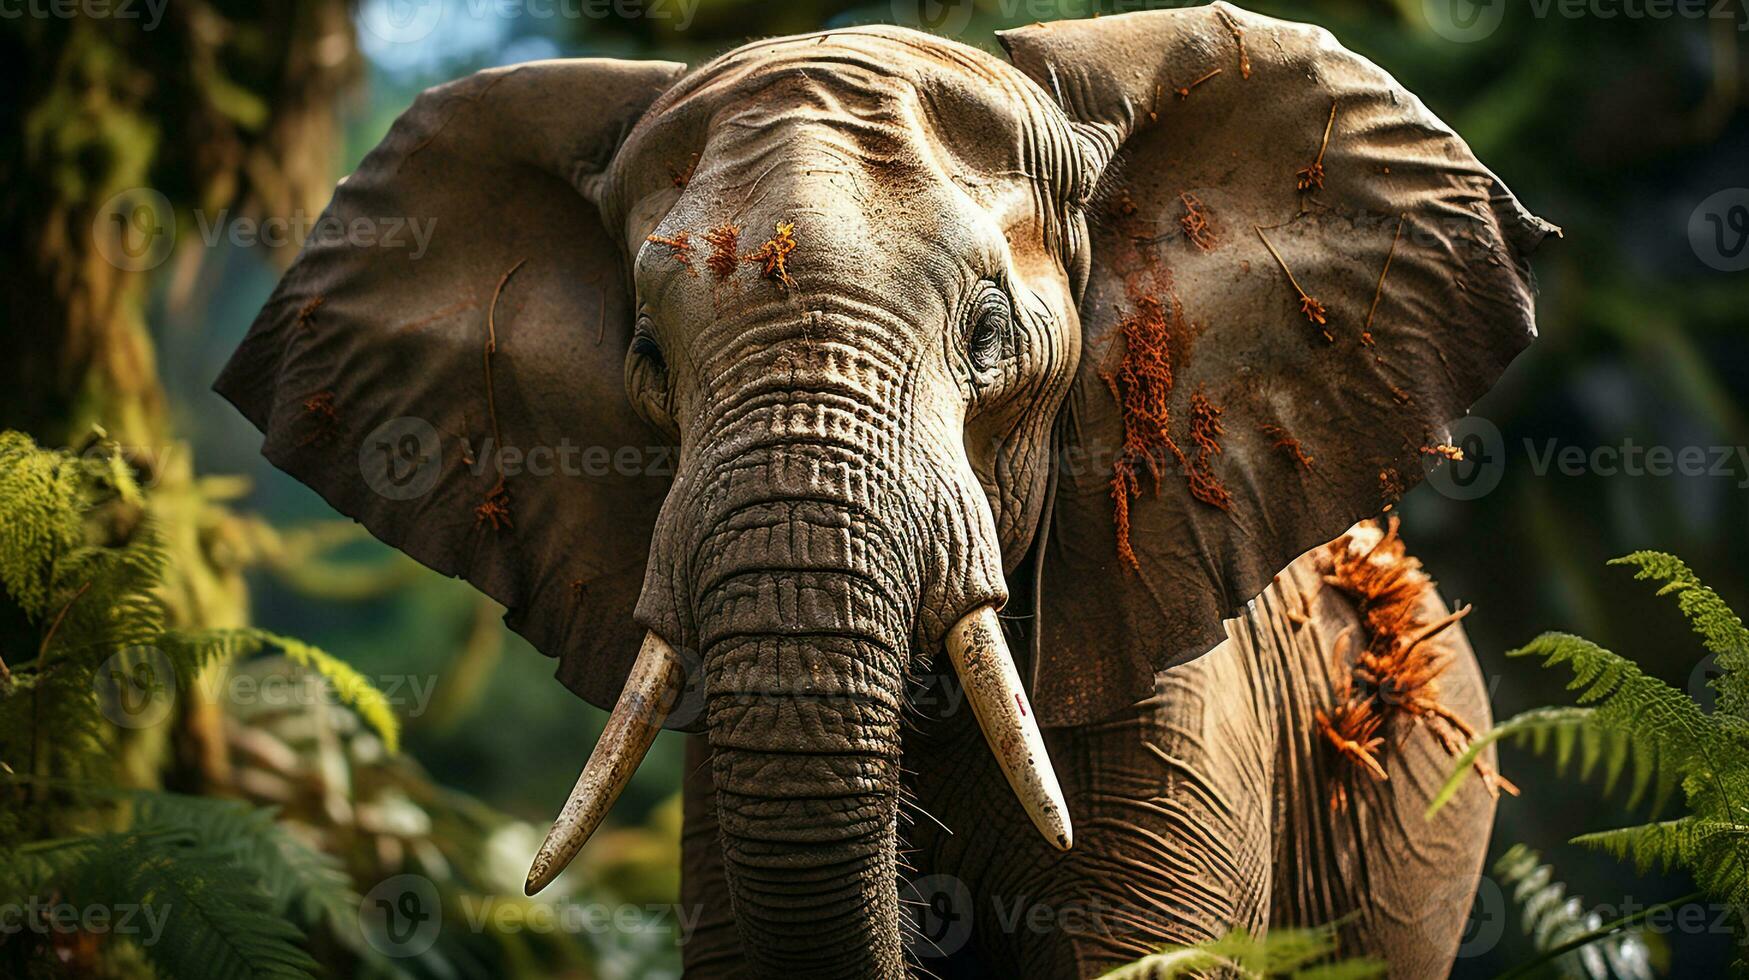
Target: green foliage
point(350, 686)
point(1553, 918)
point(1301, 954)
point(1635, 721)
point(218, 885)
point(84, 568)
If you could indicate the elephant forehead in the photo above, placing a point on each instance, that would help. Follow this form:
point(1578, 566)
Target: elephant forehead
point(905, 107)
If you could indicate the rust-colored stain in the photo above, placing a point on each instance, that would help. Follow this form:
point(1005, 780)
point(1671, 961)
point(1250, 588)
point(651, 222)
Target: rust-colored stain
point(1310, 308)
point(495, 509)
point(1238, 36)
point(1312, 177)
point(325, 420)
point(1183, 92)
point(773, 256)
point(1284, 440)
point(579, 590)
point(1444, 449)
point(679, 247)
point(725, 242)
point(1142, 387)
point(308, 311)
point(1390, 486)
point(1195, 222)
point(1394, 679)
point(680, 178)
point(1379, 291)
point(1205, 432)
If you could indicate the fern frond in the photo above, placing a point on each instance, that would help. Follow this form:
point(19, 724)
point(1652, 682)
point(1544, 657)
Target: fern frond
point(215, 921)
point(353, 688)
point(1721, 630)
point(1280, 953)
point(39, 507)
point(1568, 731)
point(1653, 712)
point(1551, 918)
point(299, 881)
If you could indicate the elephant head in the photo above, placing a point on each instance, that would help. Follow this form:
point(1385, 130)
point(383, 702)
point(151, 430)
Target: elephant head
point(764, 384)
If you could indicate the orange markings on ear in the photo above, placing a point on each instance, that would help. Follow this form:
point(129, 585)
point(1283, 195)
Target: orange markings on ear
point(1309, 307)
point(724, 241)
point(1390, 487)
point(1142, 387)
point(319, 408)
point(1379, 292)
point(1285, 441)
point(1184, 92)
point(1205, 431)
point(1395, 677)
point(308, 311)
point(1445, 449)
point(1312, 177)
point(1195, 222)
point(775, 253)
point(1239, 36)
point(679, 247)
point(681, 178)
point(495, 509)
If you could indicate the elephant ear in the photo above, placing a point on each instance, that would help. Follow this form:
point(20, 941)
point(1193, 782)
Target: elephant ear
point(1277, 327)
point(445, 360)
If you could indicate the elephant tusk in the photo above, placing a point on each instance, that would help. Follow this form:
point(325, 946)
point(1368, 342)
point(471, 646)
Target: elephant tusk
point(638, 715)
point(980, 658)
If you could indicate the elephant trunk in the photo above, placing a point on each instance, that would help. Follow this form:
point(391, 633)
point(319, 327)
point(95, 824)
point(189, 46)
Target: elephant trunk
point(805, 637)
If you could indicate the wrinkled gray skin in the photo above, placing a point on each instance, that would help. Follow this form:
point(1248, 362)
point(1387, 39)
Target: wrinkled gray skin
point(1204, 807)
point(827, 525)
point(866, 452)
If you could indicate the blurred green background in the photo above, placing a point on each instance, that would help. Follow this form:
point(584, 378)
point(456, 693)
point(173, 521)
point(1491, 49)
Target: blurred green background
point(1616, 128)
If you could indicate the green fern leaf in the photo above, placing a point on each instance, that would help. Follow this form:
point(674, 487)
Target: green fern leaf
point(353, 688)
point(1721, 629)
point(1292, 953)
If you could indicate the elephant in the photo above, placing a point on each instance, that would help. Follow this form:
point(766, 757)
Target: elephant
point(772, 395)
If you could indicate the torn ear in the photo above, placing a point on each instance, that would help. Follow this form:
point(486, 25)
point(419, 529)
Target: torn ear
point(444, 361)
point(1299, 277)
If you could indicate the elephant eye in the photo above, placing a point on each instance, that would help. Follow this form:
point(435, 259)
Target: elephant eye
point(644, 345)
point(991, 318)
